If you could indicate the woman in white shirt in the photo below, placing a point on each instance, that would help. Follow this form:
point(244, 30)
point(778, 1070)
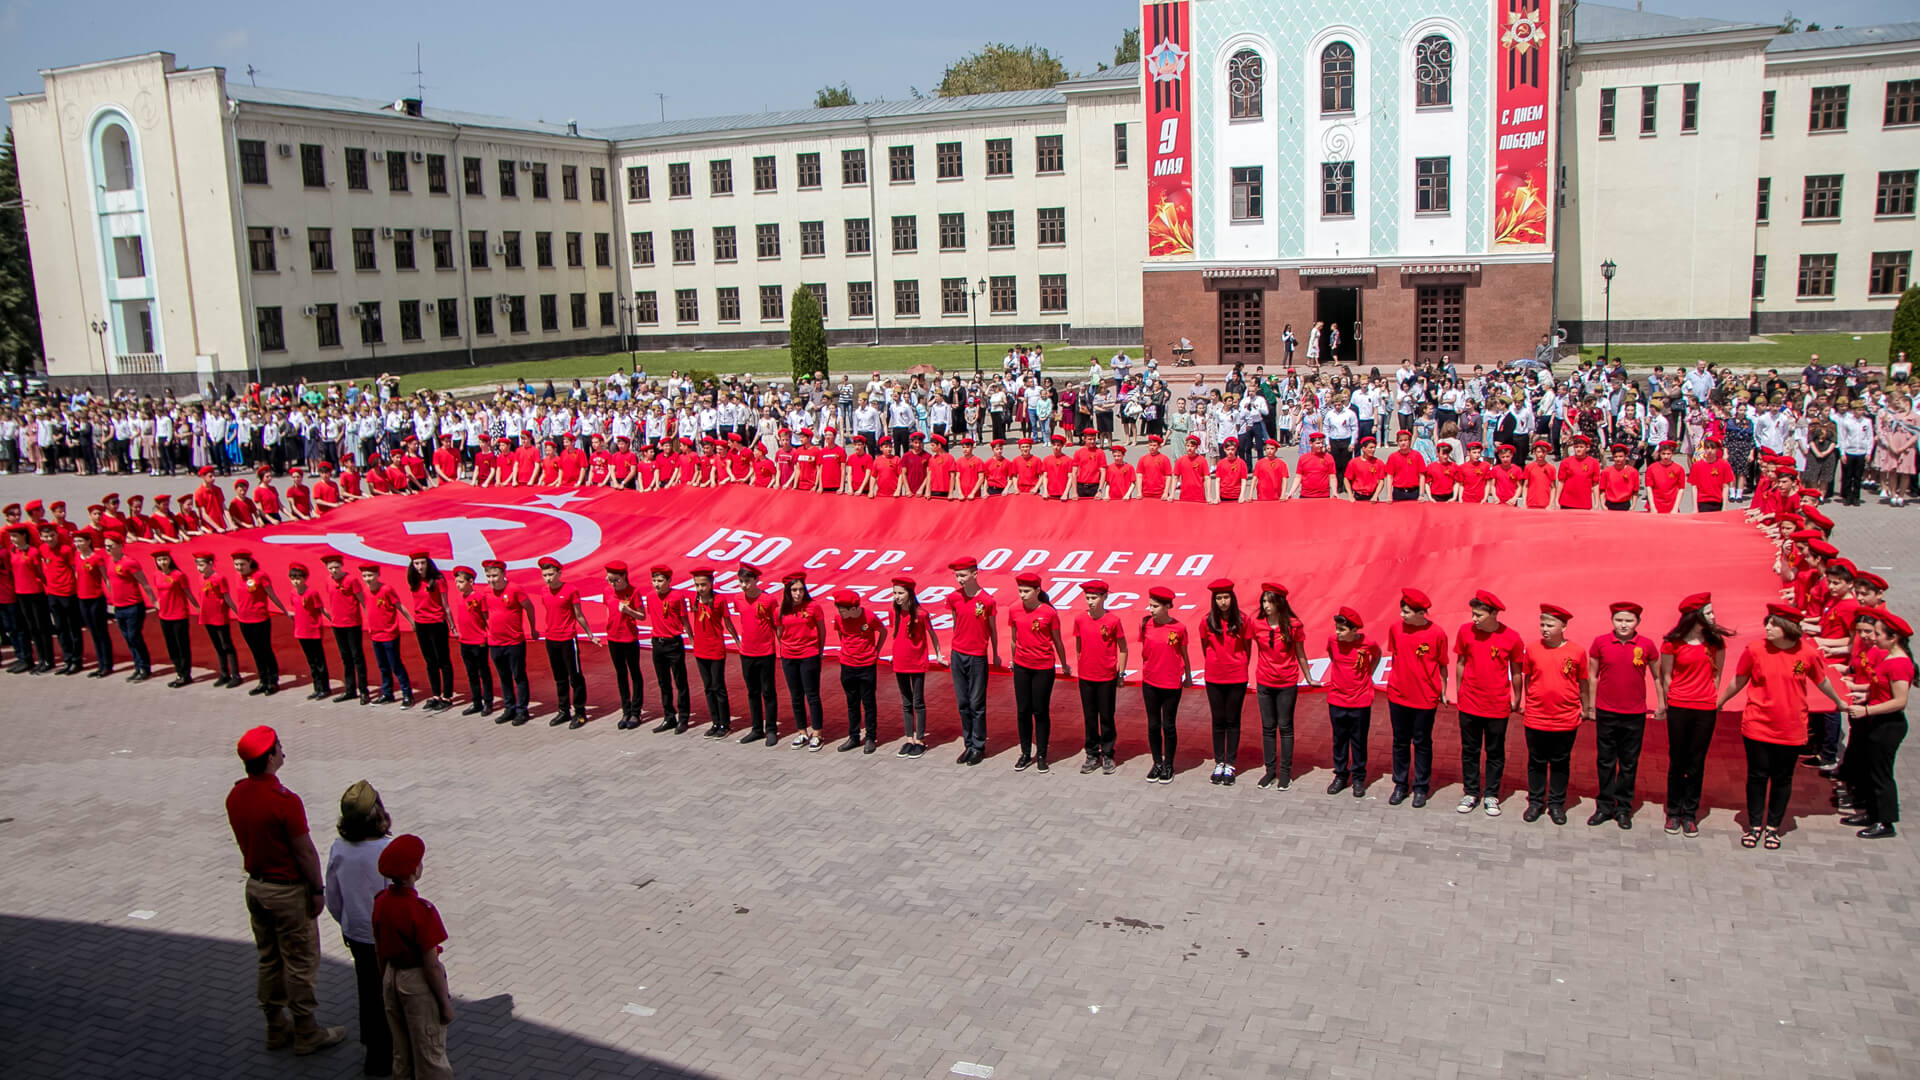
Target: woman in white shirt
point(352, 881)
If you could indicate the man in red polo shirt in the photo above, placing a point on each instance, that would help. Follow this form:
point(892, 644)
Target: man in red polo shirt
point(1315, 471)
point(1405, 468)
point(1365, 473)
point(1416, 688)
point(1709, 476)
point(1088, 465)
point(564, 621)
point(1619, 481)
point(509, 618)
point(1155, 469)
point(1578, 474)
point(666, 609)
point(284, 893)
point(1619, 663)
point(757, 619)
point(1474, 475)
point(709, 624)
point(975, 645)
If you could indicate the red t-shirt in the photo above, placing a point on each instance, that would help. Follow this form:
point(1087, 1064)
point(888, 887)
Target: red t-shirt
point(1473, 476)
point(621, 626)
point(971, 615)
point(1225, 654)
point(1160, 647)
point(1540, 477)
point(470, 618)
point(383, 612)
point(250, 599)
point(430, 602)
point(1419, 671)
point(505, 618)
point(1191, 469)
point(666, 615)
point(967, 472)
point(1664, 481)
point(1578, 475)
point(1624, 665)
point(1778, 681)
point(706, 622)
point(1350, 672)
point(1442, 477)
point(1405, 467)
point(1619, 485)
point(1692, 685)
point(1553, 686)
point(912, 637)
point(307, 607)
point(998, 471)
point(344, 598)
point(56, 569)
point(266, 819)
point(1119, 477)
point(1507, 480)
point(1231, 473)
point(213, 602)
point(170, 594)
point(1486, 683)
point(1033, 635)
point(558, 609)
point(27, 580)
point(1269, 478)
point(1316, 474)
point(1059, 470)
point(860, 635)
point(886, 476)
point(833, 461)
point(406, 929)
point(1278, 662)
point(1364, 475)
point(1710, 479)
point(123, 583)
point(1097, 646)
point(1088, 462)
point(802, 632)
point(1155, 467)
point(758, 621)
point(1888, 671)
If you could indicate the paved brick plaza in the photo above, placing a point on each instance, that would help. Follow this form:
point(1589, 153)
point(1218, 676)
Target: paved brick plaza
point(631, 904)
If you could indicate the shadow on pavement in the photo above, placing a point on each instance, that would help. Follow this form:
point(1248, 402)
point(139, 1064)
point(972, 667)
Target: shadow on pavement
point(84, 1000)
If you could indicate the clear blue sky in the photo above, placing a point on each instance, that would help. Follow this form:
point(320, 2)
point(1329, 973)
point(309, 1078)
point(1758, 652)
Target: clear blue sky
point(560, 61)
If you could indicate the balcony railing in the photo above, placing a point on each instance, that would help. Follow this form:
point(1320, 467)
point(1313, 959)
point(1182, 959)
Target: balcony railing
point(146, 363)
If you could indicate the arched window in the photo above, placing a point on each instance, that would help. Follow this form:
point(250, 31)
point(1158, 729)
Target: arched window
point(1245, 78)
point(1336, 78)
point(116, 159)
point(1433, 71)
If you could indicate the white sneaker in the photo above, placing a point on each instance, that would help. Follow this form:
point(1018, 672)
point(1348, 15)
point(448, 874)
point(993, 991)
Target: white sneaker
point(799, 740)
point(813, 744)
point(1493, 806)
point(1467, 804)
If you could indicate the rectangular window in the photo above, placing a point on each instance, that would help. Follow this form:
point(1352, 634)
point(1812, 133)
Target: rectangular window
point(510, 245)
point(1432, 185)
point(1763, 200)
point(443, 249)
point(273, 337)
point(313, 166)
point(574, 255)
point(1336, 189)
point(1827, 108)
point(999, 228)
point(1053, 292)
point(509, 183)
point(1003, 298)
point(319, 249)
point(1240, 328)
point(602, 249)
point(727, 304)
point(549, 311)
point(853, 167)
point(471, 175)
point(129, 257)
point(1821, 198)
point(646, 308)
point(819, 292)
point(900, 164)
point(999, 157)
point(1690, 106)
point(680, 180)
point(1816, 275)
point(726, 245)
point(448, 308)
point(477, 249)
point(577, 310)
point(539, 179)
point(813, 238)
point(606, 309)
point(859, 236)
point(570, 183)
point(543, 249)
point(1893, 196)
point(860, 299)
point(766, 241)
point(403, 249)
point(906, 233)
point(396, 170)
point(953, 296)
point(1247, 193)
point(1649, 109)
point(436, 174)
point(1440, 321)
point(906, 298)
point(766, 175)
point(1889, 273)
point(1119, 145)
point(638, 188)
point(720, 177)
point(682, 246)
point(1336, 79)
point(772, 305)
point(953, 232)
point(1759, 277)
point(356, 168)
point(409, 320)
point(1052, 225)
point(1050, 153)
point(253, 169)
point(326, 325)
point(806, 171)
point(1903, 103)
point(1606, 112)
point(516, 314)
point(260, 253)
point(483, 315)
point(597, 183)
point(946, 160)
point(1766, 114)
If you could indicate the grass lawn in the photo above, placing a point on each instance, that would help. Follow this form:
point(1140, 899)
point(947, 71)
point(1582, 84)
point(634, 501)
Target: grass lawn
point(1787, 352)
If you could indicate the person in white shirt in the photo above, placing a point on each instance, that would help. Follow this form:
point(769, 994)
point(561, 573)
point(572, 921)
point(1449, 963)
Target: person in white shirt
point(1855, 430)
point(352, 881)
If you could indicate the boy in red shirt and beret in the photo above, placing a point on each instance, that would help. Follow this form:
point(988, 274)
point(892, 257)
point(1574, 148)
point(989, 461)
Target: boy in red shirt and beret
point(1619, 663)
point(1351, 659)
point(407, 936)
point(1556, 693)
point(1416, 688)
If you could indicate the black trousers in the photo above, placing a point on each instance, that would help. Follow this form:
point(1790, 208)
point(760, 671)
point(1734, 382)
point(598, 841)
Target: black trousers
point(670, 675)
point(1412, 745)
point(1874, 792)
point(259, 639)
point(511, 662)
point(1549, 757)
point(1853, 469)
point(569, 682)
point(93, 614)
point(913, 702)
point(1769, 782)
point(858, 684)
point(1477, 732)
point(1689, 734)
point(1163, 734)
point(713, 684)
point(1276, 727)
point(479, 674)
point(375, 1036)
point(803, 686)
point(37, 623)
point(763, 702)
point(10, 627)
point(316, 654)
point(626, 674)
point(178, 637)
point(353, 658)
point(1617, 738)
point(1097, 701)
point(1342, 450)
point(64, 611)
point(1033, 707)
point(436, 653)
point(133, 627)
point(226, 661)
point(1351, 725)
point(1224, 701)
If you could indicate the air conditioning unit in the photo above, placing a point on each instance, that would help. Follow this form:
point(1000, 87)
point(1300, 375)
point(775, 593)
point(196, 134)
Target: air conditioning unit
point(499, 249)
point(378, 155)
point(526, 166)
point(309, 311)
point(386, 232)
point(284, 149)
point(425, 232)
point(285, 232)
point(418, 156)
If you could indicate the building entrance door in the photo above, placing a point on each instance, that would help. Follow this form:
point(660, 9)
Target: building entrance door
point(1338, 308)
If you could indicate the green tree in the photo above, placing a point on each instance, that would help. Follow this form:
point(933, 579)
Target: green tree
point(1906, 326)
point(1128, 51)
point(829, 96)
point(19, 314)
point(806, 338)
point(999, 67)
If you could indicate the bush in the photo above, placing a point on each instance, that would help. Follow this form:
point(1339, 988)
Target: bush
point(806, 338)
point(1906, 326)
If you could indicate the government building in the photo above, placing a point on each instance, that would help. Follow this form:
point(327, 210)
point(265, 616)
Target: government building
point(1419, 179)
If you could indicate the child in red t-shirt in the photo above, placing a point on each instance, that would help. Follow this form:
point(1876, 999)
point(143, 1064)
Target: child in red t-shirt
point(1555, 693)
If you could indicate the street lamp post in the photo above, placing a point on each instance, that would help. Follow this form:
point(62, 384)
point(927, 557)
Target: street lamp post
point(100, 328)
point(1606, 271)
point(973, 313)
point(626, 342)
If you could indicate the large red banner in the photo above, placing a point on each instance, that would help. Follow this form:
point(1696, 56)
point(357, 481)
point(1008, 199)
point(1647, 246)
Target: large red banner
point(1166, 69)
point(1523, 74)
point(1329, 554)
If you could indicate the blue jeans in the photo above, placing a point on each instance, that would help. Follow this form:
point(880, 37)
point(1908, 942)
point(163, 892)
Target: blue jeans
point(970, 693)
point(387, 653)
point(133, 620)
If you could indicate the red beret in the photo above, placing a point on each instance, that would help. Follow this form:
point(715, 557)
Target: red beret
point(1715, 443)
point(1368, 441)
point(548, 563)
point(1617, 448)
point(846, 598)
point(370, 568)
point(1155, 440)
point(1822, 548)
point(1095, 586)
point(1871, 580)
point(256, 742)
point(1804, 534)
point(159, 551)
point(1273, 444)
point(33, 506)
point(10, 508)
point(966, 440)
point(1487, 600)
point(1695, 602)
point(48, 526)
point(243, 553)
point(1818, 517)
point(1220, 584)
point(333, 557)
point(1160, 593)
point(1582, 440)
point(616, 567)
point(1026, 442)
point(1058, 439)
point(1318, 436)
point(115, 534)
point(263, 472)
point(1476, 446)
point(1893, 622)
point(61, 504)
point(401, 857)
point(239, 482)
point(1619, 606)
point(700, 571)
point(418, 555)
point(1350, 617)
point(1557, 612)
point(1088, 431)
point(939, 440)
point(1669, 444)
point(1844, 566)
point(1118, 449)
point(162, 500)
point(907, 583)
point(297, 567)
point(1230, 441)
point(966, 562)
point(660, 568)
point(136, 499)
point(493, 564)
point(1785, 611)
point(794, 575)
point(749, 568)
point(1194, 439)
point(464, 569)
point(1030, 580)
point(1416, 599)
point(1273, 587)
point(1447, 446)
point(999, 442)
point(206, 470)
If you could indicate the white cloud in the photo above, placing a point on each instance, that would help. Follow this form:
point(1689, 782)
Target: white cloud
point(232, 41)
